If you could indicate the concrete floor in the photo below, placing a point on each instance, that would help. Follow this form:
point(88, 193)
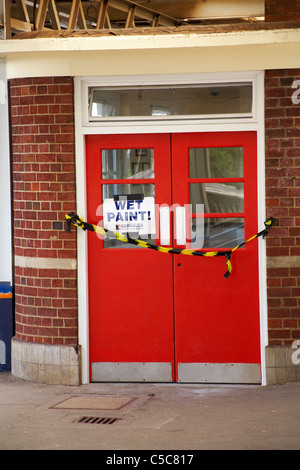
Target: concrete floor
point(151, 416)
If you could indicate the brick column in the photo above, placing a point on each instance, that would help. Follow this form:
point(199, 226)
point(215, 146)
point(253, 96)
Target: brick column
point(282, 10)
point(42, 133)
point(282, 111)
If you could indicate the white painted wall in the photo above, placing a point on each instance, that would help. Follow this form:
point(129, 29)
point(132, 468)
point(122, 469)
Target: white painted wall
point(139, 55)
point(5, 201)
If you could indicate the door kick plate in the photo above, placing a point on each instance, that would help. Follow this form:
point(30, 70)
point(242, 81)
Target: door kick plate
point(219, 373)
point(132, 372)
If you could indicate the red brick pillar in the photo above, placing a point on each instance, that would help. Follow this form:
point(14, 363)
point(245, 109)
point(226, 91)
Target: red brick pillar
point(282, 112)
point(282, 10)
point(43, 156)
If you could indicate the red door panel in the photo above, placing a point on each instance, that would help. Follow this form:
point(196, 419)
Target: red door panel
point(130, 288)
point(217, 320)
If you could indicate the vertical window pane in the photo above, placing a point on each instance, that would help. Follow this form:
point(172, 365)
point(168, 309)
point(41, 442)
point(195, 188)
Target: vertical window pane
point(217, 197)
point(225, 162)
point(218, 232)
point(127, 163)
point(140, 190)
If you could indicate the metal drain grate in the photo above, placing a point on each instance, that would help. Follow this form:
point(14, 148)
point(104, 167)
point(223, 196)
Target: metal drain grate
point(97, 420)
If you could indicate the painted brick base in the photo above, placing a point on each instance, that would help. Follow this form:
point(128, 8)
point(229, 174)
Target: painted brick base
point(46, 363)
point(279, 365)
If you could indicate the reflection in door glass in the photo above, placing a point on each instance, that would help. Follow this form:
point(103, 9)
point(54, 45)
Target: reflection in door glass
point(218, 232)
point(217, 197)
point(141, 191)
point(127, 163)
point(222, 162)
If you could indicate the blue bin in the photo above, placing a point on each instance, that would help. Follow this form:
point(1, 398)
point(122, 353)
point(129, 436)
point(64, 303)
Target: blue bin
point(6, 326)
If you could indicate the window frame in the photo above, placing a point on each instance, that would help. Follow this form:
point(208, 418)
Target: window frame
point(178, 80)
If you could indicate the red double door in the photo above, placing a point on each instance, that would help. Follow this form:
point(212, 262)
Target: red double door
point(159, 317)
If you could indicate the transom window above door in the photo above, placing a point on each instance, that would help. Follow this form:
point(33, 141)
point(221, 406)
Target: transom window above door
point(170, 102)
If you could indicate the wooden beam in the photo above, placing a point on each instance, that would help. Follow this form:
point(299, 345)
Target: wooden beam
point(7, 19)
point(108, 21)
point(53, 14)
point(103, 14)
point(155, 21)
point(22, 10)
point(81, 18)
point(19, 25)
point(143, 12)
point(41, 14)
point(130, 17)
point(74, 14)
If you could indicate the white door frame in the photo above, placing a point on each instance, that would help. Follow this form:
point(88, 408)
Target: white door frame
point(83, 127)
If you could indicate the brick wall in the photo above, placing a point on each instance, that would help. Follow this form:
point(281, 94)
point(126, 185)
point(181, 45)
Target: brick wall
point(283, 202)
point(282, 10)
point(42, 130)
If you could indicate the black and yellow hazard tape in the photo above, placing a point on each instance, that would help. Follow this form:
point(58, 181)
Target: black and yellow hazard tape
point(77, 221)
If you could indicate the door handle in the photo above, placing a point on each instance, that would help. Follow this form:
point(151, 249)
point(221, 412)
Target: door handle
point(180, 221)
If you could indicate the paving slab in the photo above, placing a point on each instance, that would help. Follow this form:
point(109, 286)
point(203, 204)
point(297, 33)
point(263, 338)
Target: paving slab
point(145, 416)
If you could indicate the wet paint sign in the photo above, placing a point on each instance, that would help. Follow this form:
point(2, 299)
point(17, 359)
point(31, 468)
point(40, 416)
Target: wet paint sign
point(126, 215)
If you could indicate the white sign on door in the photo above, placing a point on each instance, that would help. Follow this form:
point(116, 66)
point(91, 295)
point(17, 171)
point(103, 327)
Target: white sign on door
point(128, 215)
